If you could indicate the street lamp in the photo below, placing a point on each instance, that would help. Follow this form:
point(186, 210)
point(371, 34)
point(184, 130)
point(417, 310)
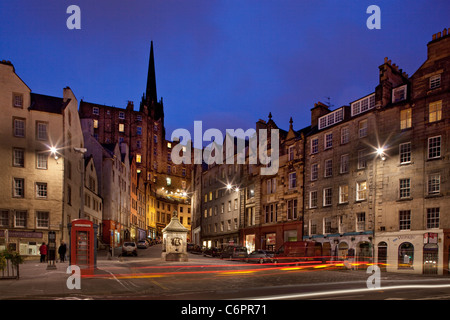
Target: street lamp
point(380, 152)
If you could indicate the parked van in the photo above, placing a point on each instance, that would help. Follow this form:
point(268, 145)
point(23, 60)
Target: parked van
point(234, 252)
point(298, 251)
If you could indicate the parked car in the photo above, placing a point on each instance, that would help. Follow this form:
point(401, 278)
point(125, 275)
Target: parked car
point(142, 244)
point(298, 251)
point(129, 248)
point(213, 252)
point(234, 252)
point(260, 256)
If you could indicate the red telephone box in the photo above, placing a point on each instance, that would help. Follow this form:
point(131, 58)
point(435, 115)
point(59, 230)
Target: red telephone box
point(82, 245)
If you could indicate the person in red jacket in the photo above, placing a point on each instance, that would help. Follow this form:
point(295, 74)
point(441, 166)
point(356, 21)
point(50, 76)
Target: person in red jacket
point(43, 251)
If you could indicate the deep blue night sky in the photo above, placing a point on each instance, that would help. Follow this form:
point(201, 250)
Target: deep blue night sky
point(228, 63)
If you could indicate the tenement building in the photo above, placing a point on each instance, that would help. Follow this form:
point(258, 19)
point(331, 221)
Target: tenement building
point(376, 172)
point(41, 181)
point(273, 210)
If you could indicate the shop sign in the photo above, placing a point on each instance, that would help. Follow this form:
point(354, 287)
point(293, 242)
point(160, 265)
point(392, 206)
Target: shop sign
point(21, 234)
point(430, 237)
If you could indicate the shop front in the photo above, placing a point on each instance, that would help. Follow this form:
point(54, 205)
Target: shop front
point(271, 237)
point(419, 252)
point(26, 243)
point(355, 249)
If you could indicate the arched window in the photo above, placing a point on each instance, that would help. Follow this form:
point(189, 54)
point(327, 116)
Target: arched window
point(406, 256)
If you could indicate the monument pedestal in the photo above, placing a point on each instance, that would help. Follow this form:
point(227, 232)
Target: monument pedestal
point(174, 241)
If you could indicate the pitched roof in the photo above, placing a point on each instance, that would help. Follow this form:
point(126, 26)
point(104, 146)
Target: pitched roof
point(40, 102)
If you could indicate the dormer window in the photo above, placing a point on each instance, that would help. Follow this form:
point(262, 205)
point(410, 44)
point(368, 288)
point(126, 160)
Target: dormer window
point(399, 94)
point(435, 82)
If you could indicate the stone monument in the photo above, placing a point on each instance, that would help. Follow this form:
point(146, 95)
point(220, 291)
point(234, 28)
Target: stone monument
point(174, 240)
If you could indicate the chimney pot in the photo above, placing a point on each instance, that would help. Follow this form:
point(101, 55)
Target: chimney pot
point(444, 33)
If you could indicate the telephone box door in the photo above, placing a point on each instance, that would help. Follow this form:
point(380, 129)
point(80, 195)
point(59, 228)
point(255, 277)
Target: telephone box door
point(82, 245)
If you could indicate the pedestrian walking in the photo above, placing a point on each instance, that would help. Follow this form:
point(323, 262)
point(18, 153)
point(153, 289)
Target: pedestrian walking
point(62, 252)
point(43, 251)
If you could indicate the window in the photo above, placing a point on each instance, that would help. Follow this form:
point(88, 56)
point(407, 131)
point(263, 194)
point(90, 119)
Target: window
point(292, 180)
point(20, 219)
point(362, 105)
point(69, 195)
point(41, 190)
point(19, 188)
point(19, 128)
point(343, 194)
point(405, 119)
point(328, 168)
point(155, 139)
point(399, 94)
point(362, 128)
point(291, 153)
point(313, 227)
point(235, 204)
point(435, 111)
point(42, 219)
point(313, 199)
point(404, 219)
point(326, 225)
point(406, 256)
point(292, 209)
point(95, 124)
point(360, 221)
point(314, 145)
point(405, 152)
point(434, 183)
point(95, 111)
point(139, 131)
point(270, 213)
point(17, 100)
point(345, 135)
point(229, 206)
point(328, 140)
point(41, 160)
point(435, 82)
point(314, 171)
point(18, 157)
point(41, 131)
point(405, 188)
point(344, 163)
point(4, 218)
point(138, 118)
point(433, 218)
point(138, 158)
point(434, 147)
point(121, 115)
point(361, 190)
point(139, 144)
point(222, 208)
point(168, 181)
point(121, 127)
point(362, 159)
point(331, 118)
point(327, 197)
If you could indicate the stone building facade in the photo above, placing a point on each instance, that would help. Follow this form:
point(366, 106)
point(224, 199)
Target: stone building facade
point(375, 174)
point(41, 184)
